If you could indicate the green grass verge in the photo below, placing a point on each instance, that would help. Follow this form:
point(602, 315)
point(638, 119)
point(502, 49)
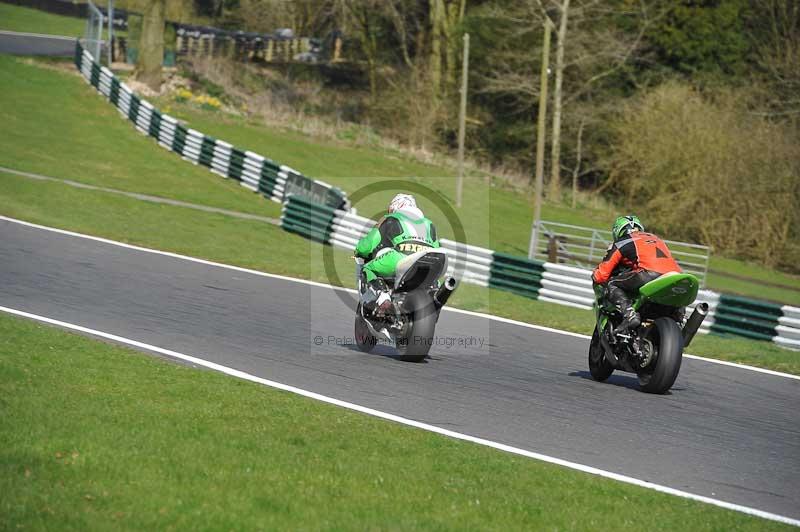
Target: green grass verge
point(25, 19)
point(252, 244)
point(754, 285)
point(98, 437)
point(56, 125)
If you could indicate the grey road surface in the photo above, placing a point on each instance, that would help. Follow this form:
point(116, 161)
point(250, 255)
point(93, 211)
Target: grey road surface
point(34, 44)
point(723, 432)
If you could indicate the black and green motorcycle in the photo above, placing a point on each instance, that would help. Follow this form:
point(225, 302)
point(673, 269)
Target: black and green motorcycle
point(654, 350)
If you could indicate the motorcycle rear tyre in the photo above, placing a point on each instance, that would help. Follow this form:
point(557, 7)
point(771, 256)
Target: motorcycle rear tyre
point(668, 342)
point(415, 345)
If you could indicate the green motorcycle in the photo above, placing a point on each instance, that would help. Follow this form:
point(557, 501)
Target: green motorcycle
point(417, 298)
point(654, 350)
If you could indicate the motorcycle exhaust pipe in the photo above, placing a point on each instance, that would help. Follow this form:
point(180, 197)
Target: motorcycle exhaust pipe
point(693, 323)
point(444, 292)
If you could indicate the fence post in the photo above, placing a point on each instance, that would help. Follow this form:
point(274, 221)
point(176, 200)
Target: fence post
point(552, 249)
point(110, 32)
point(705, 270)
point(536, 229)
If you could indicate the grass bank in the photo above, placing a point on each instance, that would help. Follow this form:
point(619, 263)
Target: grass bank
point(28, 20)
point(57, 125)
point(98, 437)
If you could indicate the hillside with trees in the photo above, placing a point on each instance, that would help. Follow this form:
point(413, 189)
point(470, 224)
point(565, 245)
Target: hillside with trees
point(687, 110)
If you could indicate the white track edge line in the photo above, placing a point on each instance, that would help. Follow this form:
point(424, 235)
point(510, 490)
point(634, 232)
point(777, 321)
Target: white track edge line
point(405, 421)
point(743, 366)
point(350, 290)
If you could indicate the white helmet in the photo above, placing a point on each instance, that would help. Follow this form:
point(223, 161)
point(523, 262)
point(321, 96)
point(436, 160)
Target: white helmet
point(402, 201)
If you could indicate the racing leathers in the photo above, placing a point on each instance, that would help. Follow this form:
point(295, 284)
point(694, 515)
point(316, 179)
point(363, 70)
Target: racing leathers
point(396, 235)
point(631, 262)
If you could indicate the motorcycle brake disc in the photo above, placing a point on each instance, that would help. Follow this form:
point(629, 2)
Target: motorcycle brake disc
point(647, 352)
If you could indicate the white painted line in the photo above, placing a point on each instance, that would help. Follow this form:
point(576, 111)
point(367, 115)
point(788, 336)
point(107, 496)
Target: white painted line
point(405, 421)
point(515, 322)
point(350, 290)
point(174, 255)
point(743, 366)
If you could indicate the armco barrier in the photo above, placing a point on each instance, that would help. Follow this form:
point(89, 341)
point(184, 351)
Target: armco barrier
point(788, 328)
point(746, 317)
point(253, 171)
point(516, 274)
point(545, 281)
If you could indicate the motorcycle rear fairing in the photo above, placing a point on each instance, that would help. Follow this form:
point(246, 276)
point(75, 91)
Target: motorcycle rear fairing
point(672, 289)
point(420, 269)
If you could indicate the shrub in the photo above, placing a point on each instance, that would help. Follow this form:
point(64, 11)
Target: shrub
point(706, 169)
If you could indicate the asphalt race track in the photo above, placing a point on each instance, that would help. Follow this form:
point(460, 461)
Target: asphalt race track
point(16, 43)
point(723, 432)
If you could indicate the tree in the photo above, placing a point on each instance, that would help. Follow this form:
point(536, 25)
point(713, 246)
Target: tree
point(454, 15)
point(594, 43)
point(682, 156)
point(366, 18)
point(774, 28)
point(555, 147)
point(444, 17)
point(151, 45)
point(435, 17)
point(702, 37)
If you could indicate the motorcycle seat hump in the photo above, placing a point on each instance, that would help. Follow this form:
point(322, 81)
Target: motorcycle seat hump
point(430, 263)
point(672, 288)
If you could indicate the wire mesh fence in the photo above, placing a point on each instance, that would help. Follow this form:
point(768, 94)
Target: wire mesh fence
point(93, 36)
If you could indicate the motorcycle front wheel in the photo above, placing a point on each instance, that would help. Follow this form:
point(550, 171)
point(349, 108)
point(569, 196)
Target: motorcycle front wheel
point(364, 338)
point(599, 366)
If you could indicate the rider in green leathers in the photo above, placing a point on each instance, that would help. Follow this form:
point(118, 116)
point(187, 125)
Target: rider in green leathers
point(402, 231)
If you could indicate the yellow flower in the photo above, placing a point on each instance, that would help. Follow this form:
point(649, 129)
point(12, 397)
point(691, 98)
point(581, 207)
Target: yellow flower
point(207, 102)
point(183, 95)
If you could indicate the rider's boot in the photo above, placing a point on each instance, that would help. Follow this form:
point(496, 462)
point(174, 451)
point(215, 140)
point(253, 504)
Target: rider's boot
point(383, 303)
point(376, 298)
point(630, 320)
